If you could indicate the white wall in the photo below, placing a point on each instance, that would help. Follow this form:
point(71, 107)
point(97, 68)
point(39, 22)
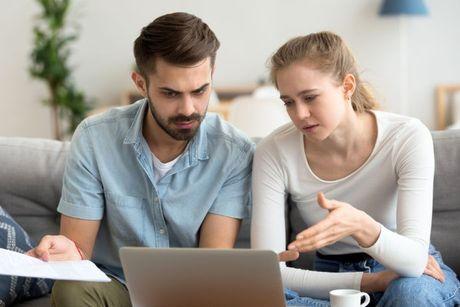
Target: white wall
point(249, 32)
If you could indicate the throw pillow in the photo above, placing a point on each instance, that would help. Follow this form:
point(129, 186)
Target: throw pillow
point(13, 288)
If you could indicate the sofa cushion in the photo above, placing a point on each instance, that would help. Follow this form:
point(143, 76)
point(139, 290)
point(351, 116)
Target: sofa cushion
point(446, 197)
point(14, 288)
point(31, 182)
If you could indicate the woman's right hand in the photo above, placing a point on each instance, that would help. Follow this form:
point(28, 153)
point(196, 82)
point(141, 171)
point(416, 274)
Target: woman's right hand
point(378, 282)
point(55, 248)
point(288, 255)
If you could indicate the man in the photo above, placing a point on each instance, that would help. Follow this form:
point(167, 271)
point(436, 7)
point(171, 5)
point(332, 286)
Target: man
point(158, 173)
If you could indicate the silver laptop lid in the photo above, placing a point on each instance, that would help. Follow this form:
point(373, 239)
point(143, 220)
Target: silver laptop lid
point(202, 277)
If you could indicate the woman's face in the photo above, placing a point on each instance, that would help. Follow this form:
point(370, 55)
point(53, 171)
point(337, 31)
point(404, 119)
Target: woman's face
point(315, 102)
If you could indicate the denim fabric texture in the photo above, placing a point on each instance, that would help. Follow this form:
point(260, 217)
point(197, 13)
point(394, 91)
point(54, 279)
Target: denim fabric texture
point(109, 176)
point(14, 288)
point(402, 292)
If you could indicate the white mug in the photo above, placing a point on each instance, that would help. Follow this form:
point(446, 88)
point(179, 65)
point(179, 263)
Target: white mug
point(348, 298)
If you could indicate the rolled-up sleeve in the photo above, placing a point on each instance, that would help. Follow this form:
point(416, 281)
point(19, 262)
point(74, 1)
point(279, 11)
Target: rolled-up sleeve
point(234, 198)
point(82, 192)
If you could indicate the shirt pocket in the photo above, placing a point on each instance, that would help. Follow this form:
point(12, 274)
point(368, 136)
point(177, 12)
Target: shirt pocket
point(126, 219)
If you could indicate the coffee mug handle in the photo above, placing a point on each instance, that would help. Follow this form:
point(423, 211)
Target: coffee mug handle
point(367, 299)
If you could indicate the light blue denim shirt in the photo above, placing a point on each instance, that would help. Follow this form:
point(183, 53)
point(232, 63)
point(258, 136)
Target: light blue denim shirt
point(109, 177)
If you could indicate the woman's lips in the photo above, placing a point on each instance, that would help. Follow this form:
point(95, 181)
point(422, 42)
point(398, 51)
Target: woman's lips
point(310, 128)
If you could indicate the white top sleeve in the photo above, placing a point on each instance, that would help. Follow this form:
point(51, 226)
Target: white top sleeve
point(268, 229)
point(406, 250)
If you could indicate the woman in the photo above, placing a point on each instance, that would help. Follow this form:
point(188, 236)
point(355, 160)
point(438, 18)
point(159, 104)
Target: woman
point(373, 222)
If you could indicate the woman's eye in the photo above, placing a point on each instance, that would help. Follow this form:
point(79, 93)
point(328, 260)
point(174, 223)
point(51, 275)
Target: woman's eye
point(287, 103)
point(309, 98)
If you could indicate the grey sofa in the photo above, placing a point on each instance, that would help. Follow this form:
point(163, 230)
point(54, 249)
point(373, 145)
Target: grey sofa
point(31, 174)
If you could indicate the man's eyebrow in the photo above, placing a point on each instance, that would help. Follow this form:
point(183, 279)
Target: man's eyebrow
point(204, 86)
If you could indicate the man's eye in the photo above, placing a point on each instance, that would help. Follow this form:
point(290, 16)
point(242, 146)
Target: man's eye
point(200, 92)
point(170, 94)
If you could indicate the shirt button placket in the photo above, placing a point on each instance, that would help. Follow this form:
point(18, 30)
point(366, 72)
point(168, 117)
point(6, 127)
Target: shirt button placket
point(162, 237)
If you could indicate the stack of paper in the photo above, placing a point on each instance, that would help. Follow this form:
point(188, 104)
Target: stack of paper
point(17, 264)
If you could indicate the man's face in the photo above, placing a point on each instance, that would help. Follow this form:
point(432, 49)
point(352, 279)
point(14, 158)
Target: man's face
point(178, 97)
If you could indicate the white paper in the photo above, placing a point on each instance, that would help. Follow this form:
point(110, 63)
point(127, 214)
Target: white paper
point(17, 264)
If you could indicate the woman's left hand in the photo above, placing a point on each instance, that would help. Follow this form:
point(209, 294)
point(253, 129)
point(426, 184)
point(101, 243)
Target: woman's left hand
point(342, 221)
point(433, 269)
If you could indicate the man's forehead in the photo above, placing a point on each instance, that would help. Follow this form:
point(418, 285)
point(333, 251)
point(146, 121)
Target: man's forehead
point(181, 78)
point(162, 66)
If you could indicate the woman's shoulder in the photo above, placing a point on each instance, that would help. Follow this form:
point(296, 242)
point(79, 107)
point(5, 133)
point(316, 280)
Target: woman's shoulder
point(402, 134)
point(392, 124)
point(282, 137)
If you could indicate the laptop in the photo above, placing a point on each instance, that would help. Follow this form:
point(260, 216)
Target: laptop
point(199, 277)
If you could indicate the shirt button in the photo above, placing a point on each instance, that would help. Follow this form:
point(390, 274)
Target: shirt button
point(162, 231)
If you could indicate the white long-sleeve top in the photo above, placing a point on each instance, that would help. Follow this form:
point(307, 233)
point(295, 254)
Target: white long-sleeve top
point(394, 186)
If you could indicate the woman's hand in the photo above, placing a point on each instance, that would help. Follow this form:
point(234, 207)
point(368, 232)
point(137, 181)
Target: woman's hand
point(378, 282)
point(342, 221)
point(288, 256)
point(434, 270)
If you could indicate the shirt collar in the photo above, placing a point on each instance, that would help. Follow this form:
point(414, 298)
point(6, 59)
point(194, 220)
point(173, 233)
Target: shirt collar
point(198, 147)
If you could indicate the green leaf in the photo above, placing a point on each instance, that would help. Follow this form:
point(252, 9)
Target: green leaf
point(49, 60)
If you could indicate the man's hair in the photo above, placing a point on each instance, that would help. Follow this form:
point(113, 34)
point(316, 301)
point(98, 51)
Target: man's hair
point(178, 38)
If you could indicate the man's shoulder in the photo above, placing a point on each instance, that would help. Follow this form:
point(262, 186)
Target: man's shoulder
point(113, 116)
point(221, 133)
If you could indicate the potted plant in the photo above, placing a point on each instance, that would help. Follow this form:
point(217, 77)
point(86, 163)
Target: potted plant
point(50, 63)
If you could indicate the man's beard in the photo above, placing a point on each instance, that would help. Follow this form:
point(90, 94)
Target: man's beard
point(167, 124)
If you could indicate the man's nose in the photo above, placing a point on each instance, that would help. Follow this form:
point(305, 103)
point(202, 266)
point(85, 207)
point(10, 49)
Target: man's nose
point(186, 106)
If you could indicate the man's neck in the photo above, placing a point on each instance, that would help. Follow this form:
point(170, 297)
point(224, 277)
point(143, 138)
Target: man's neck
point(161, 144)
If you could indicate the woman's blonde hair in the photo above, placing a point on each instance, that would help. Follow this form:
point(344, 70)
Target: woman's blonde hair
point(328, 53)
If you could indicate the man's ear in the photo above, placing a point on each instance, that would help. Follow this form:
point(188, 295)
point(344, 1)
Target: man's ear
point(213, 69)
point(349, 85)
point(140, 83)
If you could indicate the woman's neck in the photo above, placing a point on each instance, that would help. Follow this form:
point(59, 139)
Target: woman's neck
point(355, 132)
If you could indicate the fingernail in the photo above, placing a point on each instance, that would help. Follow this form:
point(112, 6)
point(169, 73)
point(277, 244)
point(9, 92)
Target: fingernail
point(291, 246)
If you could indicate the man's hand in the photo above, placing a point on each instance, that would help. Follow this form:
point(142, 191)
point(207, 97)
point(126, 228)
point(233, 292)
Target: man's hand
point(55, 248)
point(342, 221)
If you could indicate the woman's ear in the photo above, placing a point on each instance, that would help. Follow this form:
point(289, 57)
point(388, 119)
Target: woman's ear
point(349, 86)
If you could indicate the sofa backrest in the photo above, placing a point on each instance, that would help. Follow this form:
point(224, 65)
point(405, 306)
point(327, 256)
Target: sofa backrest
point(446, 197)
point(31, 179)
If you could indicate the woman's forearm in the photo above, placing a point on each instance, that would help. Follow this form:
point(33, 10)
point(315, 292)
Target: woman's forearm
point(368, 231)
